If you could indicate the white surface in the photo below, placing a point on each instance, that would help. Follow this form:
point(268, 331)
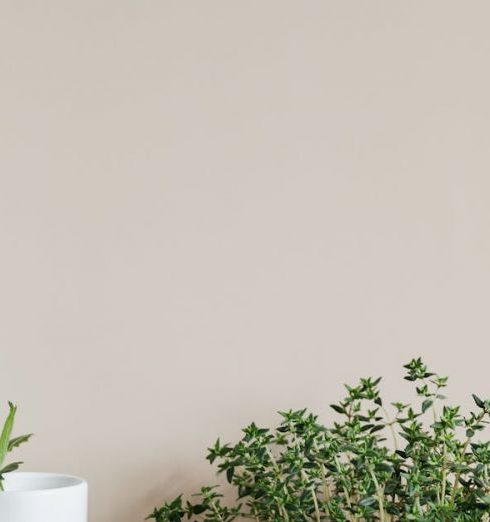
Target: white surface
point(43, 497)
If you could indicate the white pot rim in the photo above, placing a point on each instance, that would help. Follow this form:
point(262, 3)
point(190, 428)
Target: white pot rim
point(39, 483)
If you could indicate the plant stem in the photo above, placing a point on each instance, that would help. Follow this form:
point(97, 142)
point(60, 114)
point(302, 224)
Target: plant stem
point(216, 511)
point(278, 475)
point(390, 425)
point(344, 487)
point(326, 489)
point(463, 452)
point(304, 476)
point(432, 396)
point(379, 492)
point(315, 502)
point(417, 504)
point(444, 472)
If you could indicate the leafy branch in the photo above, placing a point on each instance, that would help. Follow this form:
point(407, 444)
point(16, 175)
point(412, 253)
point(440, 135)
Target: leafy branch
point(430, 468)
point(7, 444)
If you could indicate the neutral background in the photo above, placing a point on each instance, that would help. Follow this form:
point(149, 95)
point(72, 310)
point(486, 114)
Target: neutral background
point(211, 210)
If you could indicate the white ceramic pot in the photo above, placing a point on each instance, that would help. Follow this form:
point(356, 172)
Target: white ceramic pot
point(43, 497)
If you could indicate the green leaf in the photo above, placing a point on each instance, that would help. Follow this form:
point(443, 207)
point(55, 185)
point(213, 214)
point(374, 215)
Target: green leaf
point(368, 501)
point(6, 432)
point(387, 468)
point(15, 443)
point(10, 467)
point(478, 401)
point(426, 405)
point(198, 509)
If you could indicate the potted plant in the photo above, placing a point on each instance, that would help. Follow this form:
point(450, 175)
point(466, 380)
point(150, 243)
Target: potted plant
point(399, 462)
point(36, 497)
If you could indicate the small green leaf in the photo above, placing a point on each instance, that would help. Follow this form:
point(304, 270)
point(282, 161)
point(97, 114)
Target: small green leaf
point(385, 467)
point(478, 401)
point(17, 441)
point(368, 501)
point(10, 467)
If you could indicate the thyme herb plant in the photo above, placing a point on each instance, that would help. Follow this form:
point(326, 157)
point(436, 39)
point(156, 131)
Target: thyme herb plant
point(378, 462)
point(7, 444)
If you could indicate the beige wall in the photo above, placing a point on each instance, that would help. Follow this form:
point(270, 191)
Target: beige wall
point(210, 210)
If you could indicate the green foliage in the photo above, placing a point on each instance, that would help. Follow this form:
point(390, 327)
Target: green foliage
point(422, 463)
point(7, 444)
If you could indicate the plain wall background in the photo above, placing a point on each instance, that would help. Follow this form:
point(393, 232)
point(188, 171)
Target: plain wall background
point(211, 210)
